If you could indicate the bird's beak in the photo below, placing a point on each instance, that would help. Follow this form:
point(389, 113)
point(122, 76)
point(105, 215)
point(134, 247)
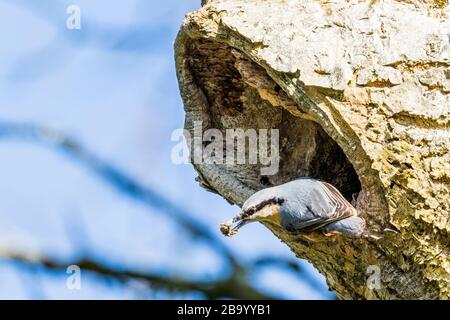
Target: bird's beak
point(269, 213)
point(232, 226)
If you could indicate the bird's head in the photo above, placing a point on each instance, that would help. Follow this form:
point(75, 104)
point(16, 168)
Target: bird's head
point(262, 206)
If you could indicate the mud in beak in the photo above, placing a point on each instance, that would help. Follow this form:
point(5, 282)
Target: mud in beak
point(231, 227)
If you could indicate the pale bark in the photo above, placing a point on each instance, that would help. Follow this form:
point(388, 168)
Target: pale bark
point(360, 93)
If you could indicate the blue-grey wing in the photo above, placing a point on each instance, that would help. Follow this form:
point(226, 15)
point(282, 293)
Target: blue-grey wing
point(325, 205)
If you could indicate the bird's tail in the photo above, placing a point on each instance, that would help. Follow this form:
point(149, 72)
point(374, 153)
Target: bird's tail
point(353, 226)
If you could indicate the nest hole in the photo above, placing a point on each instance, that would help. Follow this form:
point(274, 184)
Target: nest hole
point(240, 94)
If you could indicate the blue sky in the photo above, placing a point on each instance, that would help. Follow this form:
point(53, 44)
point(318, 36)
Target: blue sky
point(112, 86)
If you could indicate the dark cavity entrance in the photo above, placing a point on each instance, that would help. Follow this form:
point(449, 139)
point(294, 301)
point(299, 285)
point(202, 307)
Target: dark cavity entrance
point(238, 91)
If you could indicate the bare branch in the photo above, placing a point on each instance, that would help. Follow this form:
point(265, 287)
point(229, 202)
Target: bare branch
point(115, 177)
point(233, 287)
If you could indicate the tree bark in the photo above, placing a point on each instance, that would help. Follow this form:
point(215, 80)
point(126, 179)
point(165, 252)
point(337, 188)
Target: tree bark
point(360, 94)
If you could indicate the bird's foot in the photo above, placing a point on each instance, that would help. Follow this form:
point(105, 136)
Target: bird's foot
point(378, 236)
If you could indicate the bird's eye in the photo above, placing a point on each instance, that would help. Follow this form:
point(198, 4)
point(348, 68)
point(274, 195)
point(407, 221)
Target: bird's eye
point(250, 212)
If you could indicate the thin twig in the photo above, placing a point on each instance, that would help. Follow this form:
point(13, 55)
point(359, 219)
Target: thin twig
point(115, 177)
point(232, 288)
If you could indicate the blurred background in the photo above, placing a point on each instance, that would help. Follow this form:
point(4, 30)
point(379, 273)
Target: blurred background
point(86, 176)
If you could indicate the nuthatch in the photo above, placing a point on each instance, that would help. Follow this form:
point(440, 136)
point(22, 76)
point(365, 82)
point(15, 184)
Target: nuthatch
point(300, 206)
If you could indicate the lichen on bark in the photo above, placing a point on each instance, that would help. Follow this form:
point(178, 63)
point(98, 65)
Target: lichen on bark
point(360, 94)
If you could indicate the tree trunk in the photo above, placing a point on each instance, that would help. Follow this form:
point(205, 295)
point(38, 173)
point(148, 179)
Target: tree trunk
point(360, 94)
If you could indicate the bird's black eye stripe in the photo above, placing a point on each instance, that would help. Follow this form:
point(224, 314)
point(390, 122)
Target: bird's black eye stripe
point(248, 212)
point(261, 205)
